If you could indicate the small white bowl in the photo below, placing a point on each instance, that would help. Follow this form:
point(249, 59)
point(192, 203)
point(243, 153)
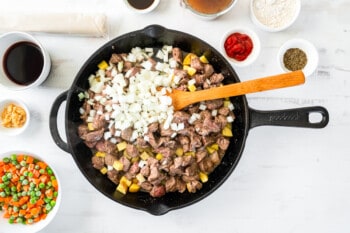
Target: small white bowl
point(277, 12)
point(306, 46)
point(13, 131)
point(5, 226)
point(142, 11)
point(254, 53)
point(7, 40)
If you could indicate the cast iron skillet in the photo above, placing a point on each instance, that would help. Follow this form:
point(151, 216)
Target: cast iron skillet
point(246, 118)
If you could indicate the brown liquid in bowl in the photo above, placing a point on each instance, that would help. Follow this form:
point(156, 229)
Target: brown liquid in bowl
point(209, 6)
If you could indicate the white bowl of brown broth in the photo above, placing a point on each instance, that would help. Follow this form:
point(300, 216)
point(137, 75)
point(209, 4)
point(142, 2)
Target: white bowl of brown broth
point(208, 9)
point(25, 62)
point(144, 6)
point(14, 117)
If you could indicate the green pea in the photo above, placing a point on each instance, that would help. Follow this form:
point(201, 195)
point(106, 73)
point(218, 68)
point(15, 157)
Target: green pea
point(6, 160)
point(2, 185)
point(2, 194)
point(13, 189)
point(41, 185)
point(13, 157)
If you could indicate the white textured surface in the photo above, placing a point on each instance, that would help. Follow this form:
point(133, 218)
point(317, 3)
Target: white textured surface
point(289, 180)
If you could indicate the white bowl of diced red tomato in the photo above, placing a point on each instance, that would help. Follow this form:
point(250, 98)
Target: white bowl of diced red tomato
point(240, 46)
point(30, 193)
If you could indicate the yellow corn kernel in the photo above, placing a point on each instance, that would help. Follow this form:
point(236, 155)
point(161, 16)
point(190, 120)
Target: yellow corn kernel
point(122, 188)
point(203, 177)
point(179, 151)
point(103, 65)
point(125, 181)
point(121, 146)
point(134, 188)
point(144, 155)
point(203, 59)
point(159, 156)
point(190, 70)
point(188, 58)
point(117, 165)
point(100, 154)
point(140, 178)
point(104, 170)
point(227, 132)
point(90, 126)
point(192, 88)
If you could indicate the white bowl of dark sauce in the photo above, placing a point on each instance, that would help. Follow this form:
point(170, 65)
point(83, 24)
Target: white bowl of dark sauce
point(25, 62)
point(142, 6)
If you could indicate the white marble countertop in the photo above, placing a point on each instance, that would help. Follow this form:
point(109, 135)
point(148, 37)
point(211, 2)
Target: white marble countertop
point(288, 179)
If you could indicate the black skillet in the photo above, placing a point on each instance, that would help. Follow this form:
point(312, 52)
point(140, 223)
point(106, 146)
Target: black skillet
point(246, 118)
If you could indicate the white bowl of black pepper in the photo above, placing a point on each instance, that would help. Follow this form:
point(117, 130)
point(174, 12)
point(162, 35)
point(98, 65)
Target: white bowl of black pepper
point(298, 54)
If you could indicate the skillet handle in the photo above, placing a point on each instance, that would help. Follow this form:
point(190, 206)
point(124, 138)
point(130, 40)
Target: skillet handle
point(53, 122)
point(298, 117)
point(154, 31)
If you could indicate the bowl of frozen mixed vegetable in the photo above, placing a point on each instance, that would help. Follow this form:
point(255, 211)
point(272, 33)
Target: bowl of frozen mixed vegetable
point(126, 137)
point(30, 192)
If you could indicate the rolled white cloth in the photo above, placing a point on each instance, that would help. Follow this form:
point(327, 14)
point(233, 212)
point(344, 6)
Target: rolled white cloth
point(82, 24)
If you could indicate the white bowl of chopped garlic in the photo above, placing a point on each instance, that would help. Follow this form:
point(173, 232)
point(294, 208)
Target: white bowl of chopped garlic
point(14, 117)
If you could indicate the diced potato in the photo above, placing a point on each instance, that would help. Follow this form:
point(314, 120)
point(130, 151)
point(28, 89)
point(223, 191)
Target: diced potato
point(190, 70)
point(203, 177)
point(179, 151)
point(144, 155)
point(159, 156)
point(125, 180)
point(134, 188)
point(122, 188)
point(212, 148)
point(203, 59)
point(117, 165)
point(104, 170)
point(121, 146)
point(100, 154)
point(187, 59)
point(190, 153)
point(227, 132)
point(140, 178)
point(192, 88)
point(227, 103)
point(90, 126)
point(135, 159)
point(103, 65)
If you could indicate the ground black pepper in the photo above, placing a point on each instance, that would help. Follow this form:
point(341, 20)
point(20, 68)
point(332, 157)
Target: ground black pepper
point(294, 59)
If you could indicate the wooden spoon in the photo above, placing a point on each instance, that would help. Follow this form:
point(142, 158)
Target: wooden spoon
point(181, 99)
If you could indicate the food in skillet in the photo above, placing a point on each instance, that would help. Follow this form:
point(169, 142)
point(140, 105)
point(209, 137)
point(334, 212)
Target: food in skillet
point(137, 138)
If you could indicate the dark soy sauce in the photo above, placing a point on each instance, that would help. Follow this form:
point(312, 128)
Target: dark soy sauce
point(23, 62)
point(141, 4)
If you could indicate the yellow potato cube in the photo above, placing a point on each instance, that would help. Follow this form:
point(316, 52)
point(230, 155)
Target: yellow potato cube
point(121, 146)
point(203, 59)
point(203, 177)
point(144, 155)
point(140, 178)
point(179, 151)
point(104, 170)
point(90, 126)
point(117, 165)
point(134, 188)
point(192, 88)
point(100, 154)
point(122, 188)
point(227, 132)
point(103, 65)
point(159, 156)
point(125, 181)
point(188, 58)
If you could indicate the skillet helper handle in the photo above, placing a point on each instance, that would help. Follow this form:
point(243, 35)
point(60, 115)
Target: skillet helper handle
point(53, 122)
point(298, 117)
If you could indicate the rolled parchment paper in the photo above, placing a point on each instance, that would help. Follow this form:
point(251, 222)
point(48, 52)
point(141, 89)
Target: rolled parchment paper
point(82, 24)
